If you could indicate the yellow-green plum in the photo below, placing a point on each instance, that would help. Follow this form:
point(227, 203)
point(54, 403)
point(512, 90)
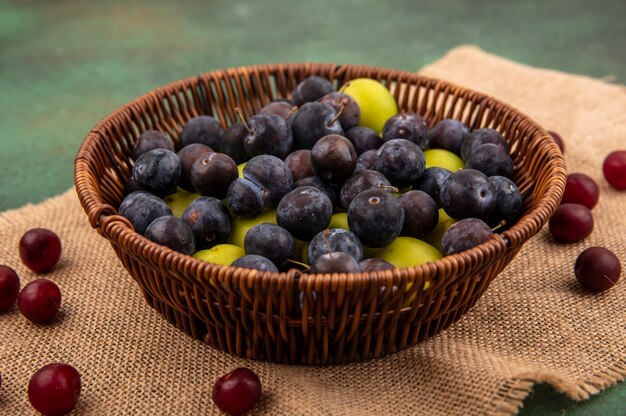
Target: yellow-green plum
point(375, 101)
point(179, 201)
point(443, 159)
point(339, 220)
point(406, 252)
point(435, 236)
point(241, 225)
point(240, 169)
point(223, 254)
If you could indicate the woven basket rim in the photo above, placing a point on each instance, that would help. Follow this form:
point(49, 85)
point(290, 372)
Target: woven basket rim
point(105, 217)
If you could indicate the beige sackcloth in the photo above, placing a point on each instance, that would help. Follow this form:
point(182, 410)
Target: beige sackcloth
point(534, 323)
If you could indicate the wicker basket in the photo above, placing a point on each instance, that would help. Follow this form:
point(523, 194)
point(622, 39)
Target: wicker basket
point(295, 317)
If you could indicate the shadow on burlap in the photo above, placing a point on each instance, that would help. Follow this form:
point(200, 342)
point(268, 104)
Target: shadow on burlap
point(533, 324)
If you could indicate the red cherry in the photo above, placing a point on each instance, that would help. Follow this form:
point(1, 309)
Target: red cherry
point(9, 287)
point(614, 169)
point(581, 189)
point(597, 269)
point(40, 249)
point(39, 301)
point(237, 392)
point(54, 389)
point(571, 223)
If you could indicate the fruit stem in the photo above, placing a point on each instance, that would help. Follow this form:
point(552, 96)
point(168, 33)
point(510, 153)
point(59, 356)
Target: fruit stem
point(291, 112)
point(343, 106)
point(326, 234)
point(306, 266)
point(500, 225)
point(243, 119)
point(393, 188)
point(342, 90)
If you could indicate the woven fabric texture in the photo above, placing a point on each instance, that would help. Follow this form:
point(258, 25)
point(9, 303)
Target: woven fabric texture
point(533, 324)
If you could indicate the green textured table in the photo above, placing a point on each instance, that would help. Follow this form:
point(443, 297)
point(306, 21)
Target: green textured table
point(66, 64)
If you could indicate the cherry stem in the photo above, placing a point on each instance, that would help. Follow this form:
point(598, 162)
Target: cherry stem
point(299, 263)
point(497, 227)
point(393, 188)
point(243, 119)
point(343, 106)
point(291, 112)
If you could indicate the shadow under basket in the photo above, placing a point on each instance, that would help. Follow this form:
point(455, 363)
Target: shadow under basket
point(296, 317)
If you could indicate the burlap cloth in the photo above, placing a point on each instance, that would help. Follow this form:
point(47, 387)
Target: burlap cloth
point(533, 324)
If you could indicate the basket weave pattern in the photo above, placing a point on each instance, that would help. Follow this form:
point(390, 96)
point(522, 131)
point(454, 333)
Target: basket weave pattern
point(295, 317)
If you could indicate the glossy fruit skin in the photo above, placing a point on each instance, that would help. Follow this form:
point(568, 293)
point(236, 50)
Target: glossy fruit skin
point(376, 217)
point(338, 262)
point(468, 193)
point(448, 134)
point(509, 201)
point(54, 390)
point(333, 158)
point(224, 254)
point(401, 161)
point(280, 108)
point(581, 189)
point(559, 141)
point(313, 121)
point(375, 101)
point(363, 139)
point(366, 160)
point(311, 89)
point(272, 175)
point(172, 232)
point(188, 155)
point(406, 252)
point(179, 201)
point(408, 126)
point(351, 113)
point(202, 129)
point(465, 234)
point(444, 159)
point(231, 142)
point(209, 221)
point(431, 182)
point(141, 208)
point(237, 392)
point(270, 241)
point(9, 287)
point(157, 171)
point(491, 160)
point(482, 136)
point(597, 269)
point(245, 198)
point(300, 164)
point(151, 139)
point(212, 174)
point(40, 249)
point(571, 223)
point(335, 240)
point(269, 135)
point(317, 182)
point(254, 261)
point(614, 169)
point(421, 215)
point(360, 181)
point(39, 301)
point(304, 212)
point(375, 265)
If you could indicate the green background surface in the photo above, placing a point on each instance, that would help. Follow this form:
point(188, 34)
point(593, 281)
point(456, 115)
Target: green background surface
point(64, 65)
